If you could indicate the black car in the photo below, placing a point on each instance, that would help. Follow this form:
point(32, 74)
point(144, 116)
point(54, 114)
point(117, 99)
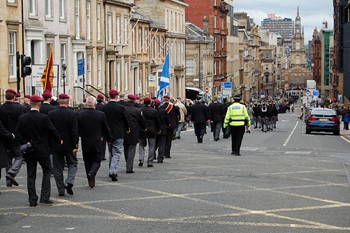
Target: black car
point(323, 120)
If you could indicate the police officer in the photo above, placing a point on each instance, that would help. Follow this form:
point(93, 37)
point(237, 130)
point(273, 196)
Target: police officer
point(237, 118)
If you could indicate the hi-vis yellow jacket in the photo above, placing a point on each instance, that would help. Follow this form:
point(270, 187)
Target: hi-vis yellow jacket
point(237, 115)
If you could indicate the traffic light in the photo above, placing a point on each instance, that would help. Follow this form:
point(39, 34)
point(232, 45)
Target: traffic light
point(25, 64)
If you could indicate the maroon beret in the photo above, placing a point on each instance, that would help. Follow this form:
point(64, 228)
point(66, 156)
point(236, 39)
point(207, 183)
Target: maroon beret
point(36, 98)
point(63, 96)
point(131, 97)
point(147, 100)
point(113, 92)
point(166, 97)
point(11, 91)
point(47, 94)
point(18, 94)
point(100, 96)
point(27, 96)
point(156, 101)
point(84, 100)
point(137, 97)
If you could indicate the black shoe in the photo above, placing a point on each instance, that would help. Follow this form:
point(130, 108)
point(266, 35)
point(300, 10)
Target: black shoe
point(130, 172)
point(233, 153)
point(237, 154)
point(178, 137)
point(167, 156)
point(69, 189)
point(91, 180)
point(10, 177)
point(103, 159)
point(149, 165)
point(113, 177)
point(160, 161)
point(8, 183)
point(140, 163)
point(47, 202)
point(33, 204)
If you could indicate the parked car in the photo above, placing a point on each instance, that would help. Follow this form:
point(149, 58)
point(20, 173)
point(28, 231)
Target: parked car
point(323, 120)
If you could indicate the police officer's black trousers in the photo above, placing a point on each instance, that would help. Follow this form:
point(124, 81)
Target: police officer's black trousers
point(237, 133)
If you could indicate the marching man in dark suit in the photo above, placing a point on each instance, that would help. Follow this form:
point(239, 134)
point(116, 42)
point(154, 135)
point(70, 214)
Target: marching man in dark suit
point(5, 136)
point(65, 121)
point(92, 127)
point(137, 123)
point(163, 131)
point(37, 129)
point(153, 127)
point(10, 112)
point(118, 123)
point(172, 119)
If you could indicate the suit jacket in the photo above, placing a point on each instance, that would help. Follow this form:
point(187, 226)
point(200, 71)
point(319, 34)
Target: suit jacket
point(99, 106)
point(10, 113)
point(117, 119)
point(37, 128)
point(163, 121)
point(137, 123)
point(65, 121)
point(152, 121)
point(199, 113)
point(216, 111)
point(172, 115)
point(46, 108)
point(5, 135)
point(92, 127)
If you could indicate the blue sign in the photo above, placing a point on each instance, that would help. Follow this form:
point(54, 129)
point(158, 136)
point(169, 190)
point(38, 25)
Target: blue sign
point(315, 93)
point(226, 85)
point(81, 67)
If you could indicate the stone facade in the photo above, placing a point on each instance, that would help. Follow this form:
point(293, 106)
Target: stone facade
point(170, 13)
point(199, 58)
point(11, 38)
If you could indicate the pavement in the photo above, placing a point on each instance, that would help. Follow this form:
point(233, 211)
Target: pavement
point(285, 181)
point(345, 133)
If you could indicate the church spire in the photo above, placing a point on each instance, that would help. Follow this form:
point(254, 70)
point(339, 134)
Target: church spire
point(298, 11)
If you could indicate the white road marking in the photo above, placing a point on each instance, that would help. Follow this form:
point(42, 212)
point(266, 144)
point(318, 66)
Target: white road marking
point(345, 139)
point(291, 134)
point(298, 152)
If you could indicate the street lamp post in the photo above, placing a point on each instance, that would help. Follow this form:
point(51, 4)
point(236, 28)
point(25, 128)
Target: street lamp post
point(64, 68)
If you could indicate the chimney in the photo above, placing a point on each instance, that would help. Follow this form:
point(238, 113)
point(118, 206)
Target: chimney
point(205, 25)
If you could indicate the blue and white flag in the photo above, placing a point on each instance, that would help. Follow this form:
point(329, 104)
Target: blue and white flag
point(164, 81)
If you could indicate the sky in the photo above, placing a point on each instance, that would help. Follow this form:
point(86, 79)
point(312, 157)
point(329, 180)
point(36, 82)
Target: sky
point(312, 12)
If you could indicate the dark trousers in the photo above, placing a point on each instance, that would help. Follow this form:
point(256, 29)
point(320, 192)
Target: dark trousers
point(129, 154)
point(168, 141)
point(59, 160)
point(216, 127)
point(199, 130)
point(92, 162)
point(103, 149)
point(160, 144)
point(237, 133)
point(45, 164)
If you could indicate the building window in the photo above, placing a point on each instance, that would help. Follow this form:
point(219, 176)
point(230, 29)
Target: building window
point(190, 66)
point(62, 9)
point(110, 34)
point(118, 31)
point(126, 71)
point(98, 15)
point(176, 21)
point(12, 55)
point(88, 19)
point(32, 8)
point(48, 47)
point(222, 42)
point(126, 30)
point(11, 1)
point(48, 8)
point(134, 40)
point(140, 39)
point(77, 19)
point(88, 69)
point(214, 22)
point(146, 40)
point(99, 70)
point(168, 21)
point(118, 87)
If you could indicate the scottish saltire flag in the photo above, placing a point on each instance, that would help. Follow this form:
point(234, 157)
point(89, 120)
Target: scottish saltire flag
point(164, 79)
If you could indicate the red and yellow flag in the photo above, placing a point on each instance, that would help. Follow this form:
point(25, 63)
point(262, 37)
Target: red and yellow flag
point(47, 77)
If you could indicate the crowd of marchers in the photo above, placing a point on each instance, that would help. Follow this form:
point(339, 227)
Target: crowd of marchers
point(47, 132)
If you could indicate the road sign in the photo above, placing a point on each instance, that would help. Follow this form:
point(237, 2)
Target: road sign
point(81, 67)
point(315, 93)
point(226, 89)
